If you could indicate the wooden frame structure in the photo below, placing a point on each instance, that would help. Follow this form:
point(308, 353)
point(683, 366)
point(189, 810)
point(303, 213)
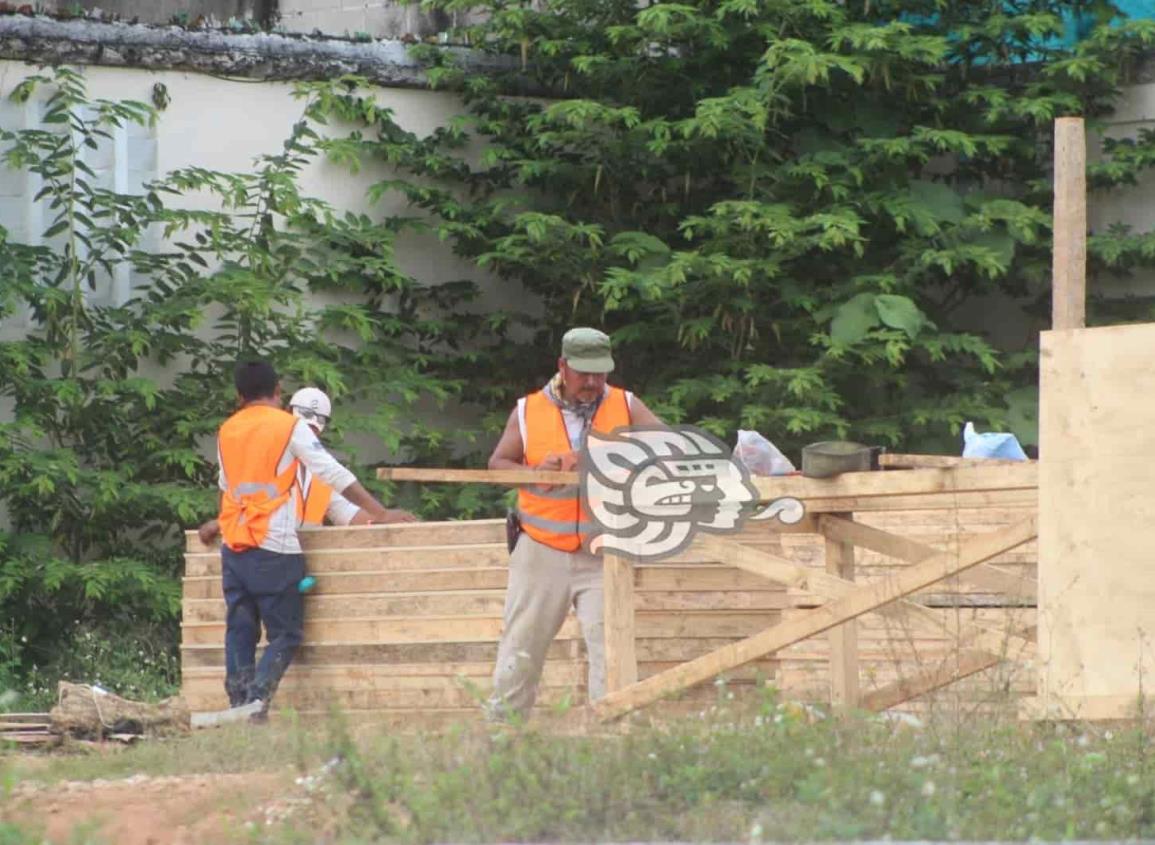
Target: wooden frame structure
point(838, 511)
point(830, 505)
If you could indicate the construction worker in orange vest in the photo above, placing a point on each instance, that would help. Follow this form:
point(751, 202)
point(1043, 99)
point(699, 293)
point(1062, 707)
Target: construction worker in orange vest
point(322, 502)
point(260, 449)
point(550, 570)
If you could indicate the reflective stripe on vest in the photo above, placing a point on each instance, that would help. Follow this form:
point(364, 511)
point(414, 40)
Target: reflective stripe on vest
point(554, 517)
point(317, 495)
point(252, 443)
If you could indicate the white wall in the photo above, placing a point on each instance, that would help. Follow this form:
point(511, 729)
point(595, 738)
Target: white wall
point(224, 125)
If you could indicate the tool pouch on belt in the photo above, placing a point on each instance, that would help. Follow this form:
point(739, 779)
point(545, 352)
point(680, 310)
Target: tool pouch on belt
point(512, 529)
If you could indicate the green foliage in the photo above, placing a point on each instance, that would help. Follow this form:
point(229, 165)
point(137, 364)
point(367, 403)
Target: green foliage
point(732, 776)
point(816, 187)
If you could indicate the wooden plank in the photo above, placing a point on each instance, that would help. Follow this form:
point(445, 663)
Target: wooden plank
point(1069, 245)
point(649, 649)
point(843, 638)
point(384, 678)
point(918, 482)
point(853, 484)
point(318, 607)
point(861, 601)
point(559, 672)
point(384, 560)
point(709, 580)
point(486, 603)
point(39, 718)
point(964, 664)
point(1011, 498)
point(984, 576)
point(401, 534)
point(620, 629)
point(894, 460)
point(958, 665)
point(515, 477)
point(441, 629)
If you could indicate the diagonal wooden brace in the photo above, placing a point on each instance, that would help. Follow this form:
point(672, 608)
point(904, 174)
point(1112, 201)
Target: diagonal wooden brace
point(965, 663)
point(862, 600)
point(984, 576)
point(828, 586)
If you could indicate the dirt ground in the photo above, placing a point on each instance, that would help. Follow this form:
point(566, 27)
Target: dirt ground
point(142, 810)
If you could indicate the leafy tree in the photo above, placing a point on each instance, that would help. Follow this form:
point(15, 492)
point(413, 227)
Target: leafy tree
point(782, 210)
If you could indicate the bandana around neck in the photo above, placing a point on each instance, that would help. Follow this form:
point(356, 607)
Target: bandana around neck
point(553, 389)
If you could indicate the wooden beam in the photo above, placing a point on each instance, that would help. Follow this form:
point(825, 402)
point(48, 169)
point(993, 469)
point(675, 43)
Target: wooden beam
point(1023, 475)
point(984, 576)
point(863, 600)
point(895, 460)
point(961, 665)
point(966, 663)
point(1026, 498)
point(844, 638)
point(828, 586)
point(1069, 250)
point(476, 476)
point(1014, 483)
point(620, 630)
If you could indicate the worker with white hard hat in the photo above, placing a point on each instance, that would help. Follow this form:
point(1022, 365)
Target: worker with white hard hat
point(322, 502)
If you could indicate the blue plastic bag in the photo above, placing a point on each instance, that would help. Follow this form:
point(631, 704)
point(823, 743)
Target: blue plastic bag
point(991, 444)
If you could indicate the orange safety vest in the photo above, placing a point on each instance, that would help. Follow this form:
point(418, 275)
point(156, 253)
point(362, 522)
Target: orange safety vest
point(318, 495)
point(554, 517)
point(252, 442)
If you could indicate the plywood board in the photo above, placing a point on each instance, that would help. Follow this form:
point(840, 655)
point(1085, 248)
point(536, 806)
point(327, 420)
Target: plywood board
point(1097, 514)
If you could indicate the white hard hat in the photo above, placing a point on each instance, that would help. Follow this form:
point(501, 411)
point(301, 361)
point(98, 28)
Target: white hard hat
point(312, 405)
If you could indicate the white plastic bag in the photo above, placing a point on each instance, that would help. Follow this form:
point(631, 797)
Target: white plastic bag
point(760, 456)
point(991, 444)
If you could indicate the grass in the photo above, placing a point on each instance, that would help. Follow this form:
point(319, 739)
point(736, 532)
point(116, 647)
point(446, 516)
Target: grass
point(770, 773)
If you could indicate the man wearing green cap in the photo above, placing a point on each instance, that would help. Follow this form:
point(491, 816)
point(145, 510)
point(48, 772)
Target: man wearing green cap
point(550, 567)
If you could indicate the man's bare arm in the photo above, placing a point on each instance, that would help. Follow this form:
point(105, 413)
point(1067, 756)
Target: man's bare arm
point(510, 454)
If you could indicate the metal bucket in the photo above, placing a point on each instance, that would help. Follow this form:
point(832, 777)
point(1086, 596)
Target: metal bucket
point(834, 457)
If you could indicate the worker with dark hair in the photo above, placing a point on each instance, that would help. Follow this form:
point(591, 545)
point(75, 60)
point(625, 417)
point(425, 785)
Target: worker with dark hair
point(260, 449)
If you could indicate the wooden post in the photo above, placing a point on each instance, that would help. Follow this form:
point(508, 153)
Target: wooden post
point(843, 639)
point(621, 652)
point(1069, 250)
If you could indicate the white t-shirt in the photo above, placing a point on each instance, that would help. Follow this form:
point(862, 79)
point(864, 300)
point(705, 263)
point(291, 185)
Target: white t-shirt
point(306, 448)
point(340, 510)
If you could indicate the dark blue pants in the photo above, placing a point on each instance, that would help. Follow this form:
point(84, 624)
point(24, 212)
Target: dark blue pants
point(260, 586)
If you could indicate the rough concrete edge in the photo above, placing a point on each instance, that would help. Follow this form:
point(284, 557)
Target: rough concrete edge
point(263, 56)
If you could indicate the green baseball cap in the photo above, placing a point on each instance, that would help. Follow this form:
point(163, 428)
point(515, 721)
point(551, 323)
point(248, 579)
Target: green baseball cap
point(587, 350)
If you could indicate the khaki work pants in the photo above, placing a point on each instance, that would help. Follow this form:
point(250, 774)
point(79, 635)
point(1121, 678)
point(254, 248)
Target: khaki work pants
point(544, 584)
